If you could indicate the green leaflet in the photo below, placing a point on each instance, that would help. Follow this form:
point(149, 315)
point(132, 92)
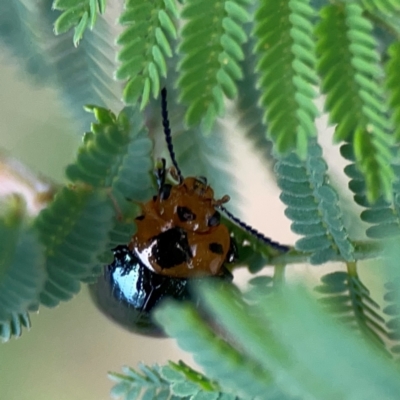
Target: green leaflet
point(385, 6)
point(74, 229)
point(235, 372)
point(383, 215)
point(250, 116)
point(286, 65)
point(22, 275)
point(116, 155)
point(77, 13)
point(290, 331)
point(392, 79)
point(176, 380)
point(211, 48)
point(355, 99)
point(312, 205)
point(349, 299)
point(14, 325)
point(145, 44)
point(391, 297)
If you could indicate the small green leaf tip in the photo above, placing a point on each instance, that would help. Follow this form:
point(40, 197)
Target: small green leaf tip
point(78, 14)
point(22, 275)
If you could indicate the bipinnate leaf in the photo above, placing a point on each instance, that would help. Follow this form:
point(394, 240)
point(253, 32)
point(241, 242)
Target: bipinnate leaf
point(355, 99)
point(211, 49)
point(78, 14)
point(146, 42)
point(313, 206)
point(286, 67)
point(22, 273)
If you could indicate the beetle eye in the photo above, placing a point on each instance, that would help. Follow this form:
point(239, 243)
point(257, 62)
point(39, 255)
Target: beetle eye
point(165, 191)
point(215, 219)
point(202, 179)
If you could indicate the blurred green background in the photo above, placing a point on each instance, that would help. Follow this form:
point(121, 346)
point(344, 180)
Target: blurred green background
point(69, 349)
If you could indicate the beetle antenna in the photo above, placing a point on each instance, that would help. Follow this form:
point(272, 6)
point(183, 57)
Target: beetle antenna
point(280, 247)
point(167, 132)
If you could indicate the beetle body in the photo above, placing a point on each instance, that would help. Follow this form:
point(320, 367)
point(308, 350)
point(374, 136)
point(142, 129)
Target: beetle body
point(179, 239)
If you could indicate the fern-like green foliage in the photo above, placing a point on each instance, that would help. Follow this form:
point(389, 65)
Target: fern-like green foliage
point(384, 6)
point(250, 117)
point(286, 66)
point(83, 218)
point(271, 341)
point(312, 205)
point(363, 114)
point(78, 14)
point(383, 215)
point(211, 47)
point(82, 75)
point(234, 372)
point(145, 45)
point(116, 155)
point(18, 21)
point(297, 354)
point(13, 325)
point(392, 311)
point(113, 165)
point(393, 77)
point(22, 274)
point(348, 298)
point(173, 381)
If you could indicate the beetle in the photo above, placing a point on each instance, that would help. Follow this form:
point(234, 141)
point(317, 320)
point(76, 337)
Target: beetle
point(179, 239)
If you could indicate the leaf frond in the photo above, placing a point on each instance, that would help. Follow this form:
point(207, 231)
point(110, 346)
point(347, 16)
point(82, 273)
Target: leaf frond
point(173, 381)
point(267, 331)
point(355, 99)
point(392, 79)
point(77, 14)
point(84, 75)
point(22, 275)
point(233, 371)
point(348, 298)
point(14, 325)
point(211, 49)
point(146, 43)
point(286, 64)
point(116, 155)
point(312, 205)
point(382, 214)
point(28, 21)
point(384, 6)
point(74, 229)
point(250, 116)
point(392, 310)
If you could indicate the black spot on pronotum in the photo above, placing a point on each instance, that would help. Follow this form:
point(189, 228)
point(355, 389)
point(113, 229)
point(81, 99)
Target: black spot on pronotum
point(185, 214)
point(140, 218)
point(171, 248)
point(216, 248)
point(215, 219)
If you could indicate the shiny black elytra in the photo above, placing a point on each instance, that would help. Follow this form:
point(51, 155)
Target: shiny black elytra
point(128, 291)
